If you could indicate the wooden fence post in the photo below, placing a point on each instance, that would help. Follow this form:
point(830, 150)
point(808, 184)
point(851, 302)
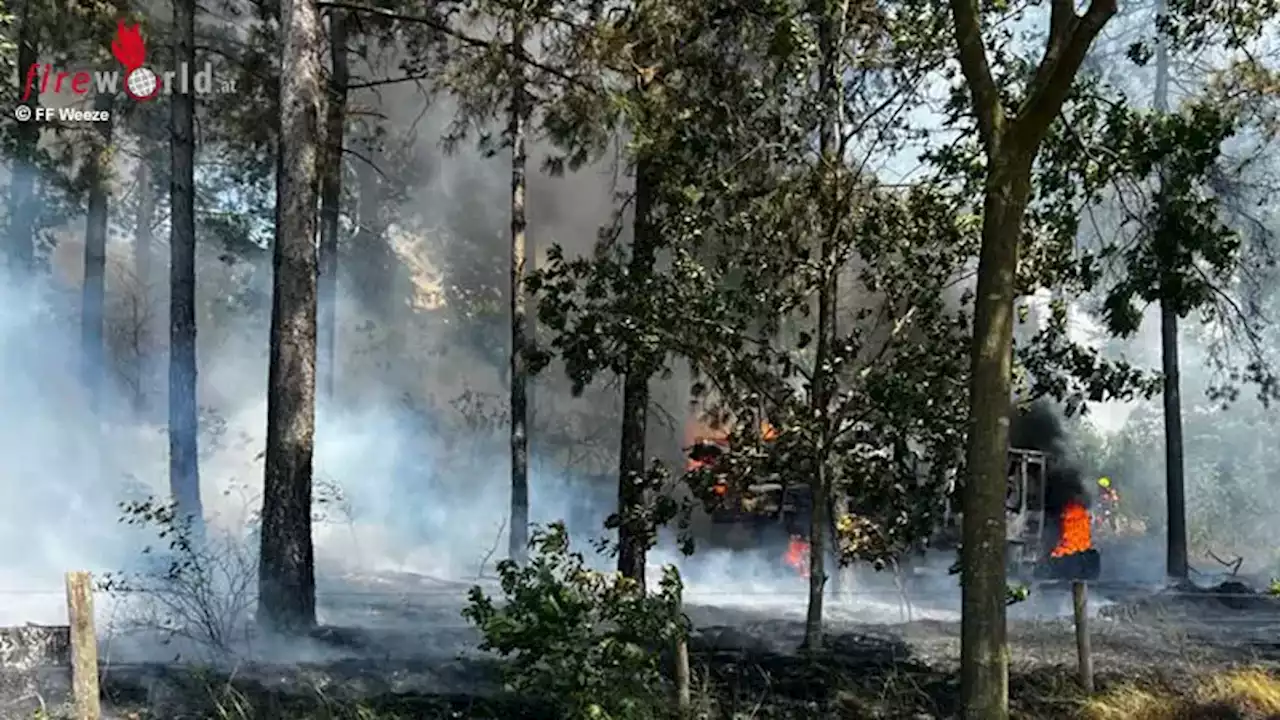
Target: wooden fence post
point(684, 696)
point(1080, 606)
point(84, 646)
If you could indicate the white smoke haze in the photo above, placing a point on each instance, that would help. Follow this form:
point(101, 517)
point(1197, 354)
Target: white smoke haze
point(444, 527)
point(411, 460)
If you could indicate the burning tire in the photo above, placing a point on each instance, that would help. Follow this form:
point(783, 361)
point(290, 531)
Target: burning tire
point(1086, 565)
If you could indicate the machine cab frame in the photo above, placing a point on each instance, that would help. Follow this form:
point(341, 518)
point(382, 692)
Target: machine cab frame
point(1028, 472)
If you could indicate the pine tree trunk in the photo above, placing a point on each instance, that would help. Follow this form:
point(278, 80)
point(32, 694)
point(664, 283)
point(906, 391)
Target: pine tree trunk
point(633, 536)
point(331, 200)
point(184, 469)
point(142, 253)
point(93, 291)
point(531, 340)
point(372, 262)
point(1175, 481)
point(22, 189)
point(142, 234)
point(519, 534)
point(286, 578)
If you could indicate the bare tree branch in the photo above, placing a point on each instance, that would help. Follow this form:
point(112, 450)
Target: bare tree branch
point(1070, 37)
point(987, 106)
point(445, 29)
point(389, 81)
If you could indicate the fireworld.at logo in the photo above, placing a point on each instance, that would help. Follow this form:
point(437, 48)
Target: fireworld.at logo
point(141, 82)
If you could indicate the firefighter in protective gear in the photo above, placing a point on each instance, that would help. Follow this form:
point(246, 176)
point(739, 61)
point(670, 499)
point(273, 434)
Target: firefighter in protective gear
point(1108, 504)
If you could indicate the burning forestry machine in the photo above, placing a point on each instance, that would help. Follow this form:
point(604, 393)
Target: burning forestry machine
point(764, 515)
point(1042, 546)
point(1047, 539)
point(761, 515)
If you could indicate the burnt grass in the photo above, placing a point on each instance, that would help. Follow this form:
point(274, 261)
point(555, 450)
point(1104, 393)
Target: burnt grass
point(745, 667)
point(861, 676)
point(855, 676)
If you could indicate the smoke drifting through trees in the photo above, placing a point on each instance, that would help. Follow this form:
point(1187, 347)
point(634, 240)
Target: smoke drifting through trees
point(418, 412)
point(403, 431)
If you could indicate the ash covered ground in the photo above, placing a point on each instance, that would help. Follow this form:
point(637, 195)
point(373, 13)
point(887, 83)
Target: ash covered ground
point(401, 636)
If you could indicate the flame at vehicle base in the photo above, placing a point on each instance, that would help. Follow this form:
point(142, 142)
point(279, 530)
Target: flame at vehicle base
point(1074, 557)
point(1075, 531)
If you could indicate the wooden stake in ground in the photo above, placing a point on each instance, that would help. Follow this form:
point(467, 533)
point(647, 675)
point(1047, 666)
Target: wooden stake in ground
point(84, 647)
point(684, 699)
point(1080, 606)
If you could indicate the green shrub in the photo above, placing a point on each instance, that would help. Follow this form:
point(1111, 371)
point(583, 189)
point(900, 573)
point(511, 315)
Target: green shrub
point(586, 642)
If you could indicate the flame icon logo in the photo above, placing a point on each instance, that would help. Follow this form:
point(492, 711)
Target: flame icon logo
point(128, 47)
point(140, 82)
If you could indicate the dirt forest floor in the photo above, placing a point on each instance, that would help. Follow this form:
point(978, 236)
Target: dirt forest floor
point(1171, 655)
point(1157, 657)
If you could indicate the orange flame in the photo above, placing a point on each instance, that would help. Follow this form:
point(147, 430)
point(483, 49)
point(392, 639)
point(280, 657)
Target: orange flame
point(1076, 536)
point(128, 47)
point(768, 432)
point(798, 555)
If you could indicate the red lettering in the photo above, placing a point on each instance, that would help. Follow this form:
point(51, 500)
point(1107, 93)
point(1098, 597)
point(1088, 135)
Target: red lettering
point(57, 84)
point(30, 82)
point(44, 80)
point(80, 83)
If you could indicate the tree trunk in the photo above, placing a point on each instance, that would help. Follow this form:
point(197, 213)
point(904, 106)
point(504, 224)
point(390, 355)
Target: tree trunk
point(536, 464)
point(984, 651)
point(1173, 452)
point(1010, 143)
point(93, 291)
point(286, 579)
point(143, 238)
point(184, 423)
point(331, 200)
point(819, 531)
point(22, 190)
point(1175, 486)
point(823, 382)
point(142, 251)
point(633, 535)
point(372, 262)
point(519, 534)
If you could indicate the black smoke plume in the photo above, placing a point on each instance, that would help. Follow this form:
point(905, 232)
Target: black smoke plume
point(1039, 427)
